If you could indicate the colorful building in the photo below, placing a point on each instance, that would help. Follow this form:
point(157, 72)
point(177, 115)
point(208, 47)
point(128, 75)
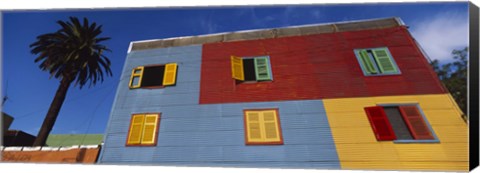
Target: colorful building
point(350, 95)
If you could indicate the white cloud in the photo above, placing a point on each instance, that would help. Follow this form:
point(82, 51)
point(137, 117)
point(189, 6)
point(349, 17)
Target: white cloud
point(440, 34)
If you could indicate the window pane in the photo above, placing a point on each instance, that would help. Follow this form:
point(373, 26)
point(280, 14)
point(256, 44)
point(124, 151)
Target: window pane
point(398, 125)
point(249, 69)
point(376, 61)
point(153, 76)
point(135, 81)
point(368, 62)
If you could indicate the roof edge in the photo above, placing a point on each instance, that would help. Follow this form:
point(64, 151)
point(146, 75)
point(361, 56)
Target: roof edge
point(298, 30)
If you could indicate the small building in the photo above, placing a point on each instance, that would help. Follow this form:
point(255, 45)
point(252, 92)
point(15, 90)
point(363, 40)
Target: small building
point(6, 122)
point(58, 140)
point(11, 137)
point(18, 138)
point(347, 95)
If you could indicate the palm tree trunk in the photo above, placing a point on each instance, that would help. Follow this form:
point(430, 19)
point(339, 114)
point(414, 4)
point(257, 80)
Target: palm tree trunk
point(52, 113)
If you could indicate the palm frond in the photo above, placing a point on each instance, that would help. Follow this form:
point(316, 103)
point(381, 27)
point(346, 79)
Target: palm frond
point(74, 51)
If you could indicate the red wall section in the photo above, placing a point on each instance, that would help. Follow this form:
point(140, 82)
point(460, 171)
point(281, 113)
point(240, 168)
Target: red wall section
point(315, 67)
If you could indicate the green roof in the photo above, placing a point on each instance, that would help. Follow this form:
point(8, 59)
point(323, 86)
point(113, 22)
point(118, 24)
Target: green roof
point(74, 139)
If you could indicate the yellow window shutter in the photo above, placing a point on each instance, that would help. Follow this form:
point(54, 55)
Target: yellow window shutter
point(150, 129)
point(136, 77)
point(170, 74)
point(136, 129)
point(254, 132)
point(237, 68)
point(270, 123)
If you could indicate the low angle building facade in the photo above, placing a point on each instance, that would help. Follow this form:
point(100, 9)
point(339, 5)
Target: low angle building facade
point(347, 95)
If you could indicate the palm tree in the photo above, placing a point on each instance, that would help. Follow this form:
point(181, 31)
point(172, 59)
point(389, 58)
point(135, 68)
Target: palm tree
point(72, 55)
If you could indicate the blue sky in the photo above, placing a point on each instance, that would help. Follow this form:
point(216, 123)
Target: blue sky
point(439, 27)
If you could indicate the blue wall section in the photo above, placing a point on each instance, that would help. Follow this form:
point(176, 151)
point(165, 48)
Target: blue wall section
point(211, 134)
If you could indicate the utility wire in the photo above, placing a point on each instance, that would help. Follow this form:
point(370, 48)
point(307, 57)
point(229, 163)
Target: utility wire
point(89, 119)
point(93, 115)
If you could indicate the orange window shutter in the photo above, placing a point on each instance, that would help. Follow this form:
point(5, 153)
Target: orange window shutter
point(271, 126)
point(150, 129)
point(415, 122)
point(237, 68)
point(380, 125)
point(136, 129)
point(254, 133)
point(170, 74)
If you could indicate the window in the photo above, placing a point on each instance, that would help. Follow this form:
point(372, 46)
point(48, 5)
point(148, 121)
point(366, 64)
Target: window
point(153, 76)
point(404, 123)
point(376, 61)
point(262, 127)
point(143, 129)
point(251, 69)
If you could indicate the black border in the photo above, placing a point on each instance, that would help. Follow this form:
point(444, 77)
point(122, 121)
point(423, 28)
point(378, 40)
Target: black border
point(473, 85)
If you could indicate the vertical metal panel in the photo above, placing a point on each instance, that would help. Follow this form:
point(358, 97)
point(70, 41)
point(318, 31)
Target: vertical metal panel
point(211, 134)
point(358, 149)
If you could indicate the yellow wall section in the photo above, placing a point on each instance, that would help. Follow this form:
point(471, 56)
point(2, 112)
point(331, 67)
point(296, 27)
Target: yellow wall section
point(358, 148)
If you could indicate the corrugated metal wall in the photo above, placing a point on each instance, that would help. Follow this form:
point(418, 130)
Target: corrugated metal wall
point(316, 67)
point(202, 116)
point(213, 134)
point(358, 148)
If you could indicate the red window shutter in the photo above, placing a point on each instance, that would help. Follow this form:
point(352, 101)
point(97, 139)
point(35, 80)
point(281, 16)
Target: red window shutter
point(416, 124)
point(380, 124)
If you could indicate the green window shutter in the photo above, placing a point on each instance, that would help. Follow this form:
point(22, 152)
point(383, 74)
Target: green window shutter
point(262, 70)
point(384, 61)
point(367, 63)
